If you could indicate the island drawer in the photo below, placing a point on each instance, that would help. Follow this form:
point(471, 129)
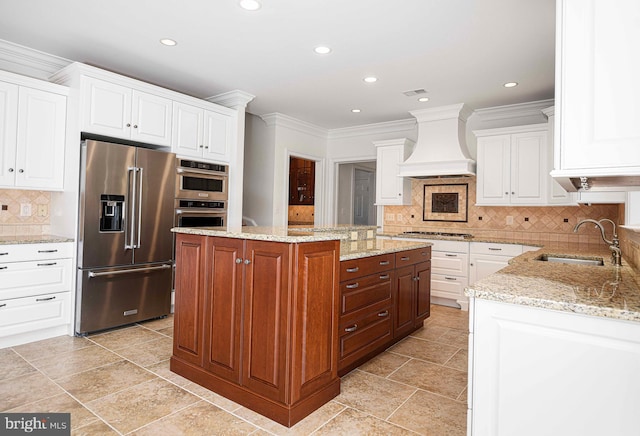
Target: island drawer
point(365, 266)
point(360, 294)
point(410, 257)
point(364, 336)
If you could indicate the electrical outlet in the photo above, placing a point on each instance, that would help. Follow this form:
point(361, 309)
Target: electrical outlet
point(43, 210)
point(509, 220)
point(25, 209)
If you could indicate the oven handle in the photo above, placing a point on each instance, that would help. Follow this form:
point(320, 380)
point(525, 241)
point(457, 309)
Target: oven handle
point(204, 212)
point(201, 172)
point(126, 271)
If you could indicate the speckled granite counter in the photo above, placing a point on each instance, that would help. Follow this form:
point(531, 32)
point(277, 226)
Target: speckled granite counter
point(373, 247)
point(33, 239)
point(605, 291)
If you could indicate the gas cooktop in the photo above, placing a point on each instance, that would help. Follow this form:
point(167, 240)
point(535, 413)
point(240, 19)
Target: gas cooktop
point(449, 235)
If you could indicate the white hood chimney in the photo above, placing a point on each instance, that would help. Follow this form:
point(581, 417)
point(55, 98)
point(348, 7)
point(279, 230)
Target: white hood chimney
point(441, 149)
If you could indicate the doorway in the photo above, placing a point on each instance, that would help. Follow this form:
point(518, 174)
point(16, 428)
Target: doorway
point(363, 197)
point(301, 205)
point(356, 193)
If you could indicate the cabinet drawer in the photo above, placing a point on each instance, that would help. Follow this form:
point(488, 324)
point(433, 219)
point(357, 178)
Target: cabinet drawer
point(33, 313)
point(365, 266)
point(360, 294)
point(444, 262)
point(21, 279)
point(448, 286)
point(365, 335)
point(409, 257)
point(496, 249)
point(22, 252)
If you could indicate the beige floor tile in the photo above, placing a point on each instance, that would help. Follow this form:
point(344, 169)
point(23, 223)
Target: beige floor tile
point(26, 389)
point(158, 324)
point(49, 348)
point(364, 391)
point(433, 378)
point(142, 404)
point(167, 332)
point(75, 361)
point(105, 380)
point(305, 427)
point(459, 360)
point(355, 423)
point(64, 403)
point(430, 331)
point(384, 364)
point(12, 365)
point(426, 350)
point(201, 418)
point(162, 369)
point(148, 353)
point(124, 337)
point(463, 396)
point(431, 414)
point(456, 338)
point(453, 322)
point(98, 428)
point(210, 396)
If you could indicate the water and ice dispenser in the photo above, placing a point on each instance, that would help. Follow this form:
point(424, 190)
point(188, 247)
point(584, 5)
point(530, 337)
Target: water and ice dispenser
point(111, 213)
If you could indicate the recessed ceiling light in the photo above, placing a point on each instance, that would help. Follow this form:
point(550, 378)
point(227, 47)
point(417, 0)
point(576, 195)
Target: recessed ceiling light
point(510, 84)
point(250, 5)
point(322, 49)
point(355, 111)
point(169, 42)
point(423, 99)
point(370, 79)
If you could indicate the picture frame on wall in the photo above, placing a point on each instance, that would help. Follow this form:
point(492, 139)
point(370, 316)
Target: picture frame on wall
point(446, 203)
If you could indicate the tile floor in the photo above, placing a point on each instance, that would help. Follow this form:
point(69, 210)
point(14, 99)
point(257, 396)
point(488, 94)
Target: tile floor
point(119, 382)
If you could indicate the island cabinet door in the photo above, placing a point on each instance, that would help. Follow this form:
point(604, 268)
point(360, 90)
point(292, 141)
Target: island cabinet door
point(265, 319)
point(404, 300)
point(423, 291)
point(223, 307)
point(189, 298)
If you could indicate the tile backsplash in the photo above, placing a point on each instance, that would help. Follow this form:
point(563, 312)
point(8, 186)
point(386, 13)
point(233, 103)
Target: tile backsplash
point(301, 215)
point(535, 224)
point(11, 221)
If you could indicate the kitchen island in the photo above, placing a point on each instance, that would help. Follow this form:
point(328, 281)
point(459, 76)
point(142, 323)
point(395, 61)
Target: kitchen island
point(554, 348)
point(257, 313)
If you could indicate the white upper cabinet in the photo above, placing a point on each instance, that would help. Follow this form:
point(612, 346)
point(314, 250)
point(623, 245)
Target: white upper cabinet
point(122, 112)
point(391, 189)
point(32, 134)
point(511, 166)
point(597, 88)
point(201, 133)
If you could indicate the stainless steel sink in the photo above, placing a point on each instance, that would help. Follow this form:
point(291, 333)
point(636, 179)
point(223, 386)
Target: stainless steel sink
point(572, 260)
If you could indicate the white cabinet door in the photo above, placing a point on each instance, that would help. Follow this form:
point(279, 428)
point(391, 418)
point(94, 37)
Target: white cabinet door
point(217, 136)
point(8, 131)
point(151, 118)
point(107, 108)
point(494, 170)
point(187, 130)
point(598, 87)
point(390, 188)
point(527, 159)
point(483, 265)
point(40, 139)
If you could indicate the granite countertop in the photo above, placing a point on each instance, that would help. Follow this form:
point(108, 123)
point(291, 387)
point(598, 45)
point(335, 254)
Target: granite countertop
point(274, 234)
point(606, 291)
point(33, 239)
point(374, 247)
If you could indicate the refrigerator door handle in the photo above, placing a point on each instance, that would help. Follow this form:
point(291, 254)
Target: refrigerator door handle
point(140, 178)
point(92, 274)
point(130, 224)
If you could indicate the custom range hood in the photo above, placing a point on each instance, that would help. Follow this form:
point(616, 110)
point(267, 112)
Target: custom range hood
point(441, 148)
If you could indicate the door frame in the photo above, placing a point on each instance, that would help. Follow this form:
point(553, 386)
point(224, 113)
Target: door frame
point(319, 191)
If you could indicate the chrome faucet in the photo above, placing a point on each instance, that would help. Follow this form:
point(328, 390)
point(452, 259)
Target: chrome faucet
point(614, 243)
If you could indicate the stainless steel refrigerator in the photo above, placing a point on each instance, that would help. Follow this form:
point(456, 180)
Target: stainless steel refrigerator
point(125, 244)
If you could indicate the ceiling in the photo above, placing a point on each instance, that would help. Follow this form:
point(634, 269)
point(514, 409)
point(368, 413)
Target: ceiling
point(457, 50)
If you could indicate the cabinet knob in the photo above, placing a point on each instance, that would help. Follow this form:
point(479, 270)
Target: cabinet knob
point(513, 193)
point(399, 194)
point(238, 260)
point(247, 261)
point(135, 126)
point(21, 170)
point(128, 124)
point(206, 147)
point(506, 193)
point(201, 146)
point(10, 170)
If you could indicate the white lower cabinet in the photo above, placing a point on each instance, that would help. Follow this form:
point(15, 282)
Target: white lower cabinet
point(535, 371)
point(35, 292)
point(487, 258)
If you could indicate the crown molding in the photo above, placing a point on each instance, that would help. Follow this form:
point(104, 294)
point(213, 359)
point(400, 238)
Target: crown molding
point(513, 111)
point(29, 62)
point(374, 129)
point(281, 120)
point(233, 99)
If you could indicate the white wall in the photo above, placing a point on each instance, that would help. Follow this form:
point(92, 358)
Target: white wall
point(259, 156)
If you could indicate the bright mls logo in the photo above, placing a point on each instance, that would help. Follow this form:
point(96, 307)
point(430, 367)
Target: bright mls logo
point(40, 424)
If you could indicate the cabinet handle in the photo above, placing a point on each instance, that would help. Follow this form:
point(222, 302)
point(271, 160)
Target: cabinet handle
point(247, 261)
point(495, 249)
point(4, 254)
point(353, 328)
point(424, 253)
point(383, 314)
point(451, 278)
point(47, 264)
point(352, 285)
point(3, 304)
point(46, 299)
point(384, 262)
point(4, 267)
point(451, 255)
point(384, 276)
point(47, 251)
point(238, 260)
point(404, 258)
point(354, 269)
point(10, 170)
